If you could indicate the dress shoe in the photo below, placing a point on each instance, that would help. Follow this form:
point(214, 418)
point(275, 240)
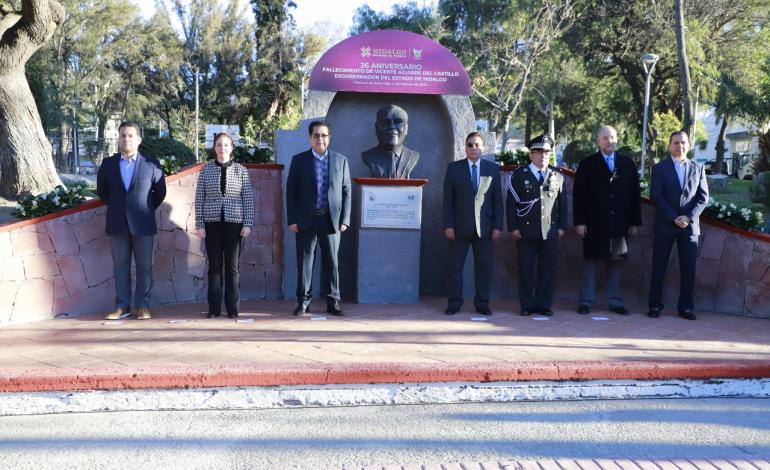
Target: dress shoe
point(143, 314)
point(525, 313)
point(451, 311)
point(301, 310)
point(232, 315)
point(654, 312)
point(545, 312)
point(620, 310)
point(213, 315)
point(484, 310)
point(116, 314)
point(333, 308)
point(584, 310)
point(687, 314)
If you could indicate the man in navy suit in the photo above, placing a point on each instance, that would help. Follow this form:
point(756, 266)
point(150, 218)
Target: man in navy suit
point(132, 186)
point(318, 211)
point(680, 194)
point(473, 216)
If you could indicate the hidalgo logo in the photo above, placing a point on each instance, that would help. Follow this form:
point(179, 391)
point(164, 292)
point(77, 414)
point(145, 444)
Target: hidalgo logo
point(417, 53)
point(366, 51)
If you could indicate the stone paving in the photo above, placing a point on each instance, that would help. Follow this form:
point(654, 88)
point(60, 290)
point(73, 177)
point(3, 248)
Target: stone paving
point(267, 333)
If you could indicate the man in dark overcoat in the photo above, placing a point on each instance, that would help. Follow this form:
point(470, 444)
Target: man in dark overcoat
point(606, 206)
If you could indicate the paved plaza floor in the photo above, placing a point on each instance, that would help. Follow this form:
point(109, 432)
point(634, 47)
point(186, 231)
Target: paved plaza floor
point(267, 335)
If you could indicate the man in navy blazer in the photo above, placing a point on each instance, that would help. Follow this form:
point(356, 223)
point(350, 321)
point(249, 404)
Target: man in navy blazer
point(679, 193)
point(473, 216)
point(318, 211)
point(132, 186)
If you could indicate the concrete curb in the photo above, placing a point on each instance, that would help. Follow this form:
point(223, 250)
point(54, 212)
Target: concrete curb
point(265, 375)
point(229, 398)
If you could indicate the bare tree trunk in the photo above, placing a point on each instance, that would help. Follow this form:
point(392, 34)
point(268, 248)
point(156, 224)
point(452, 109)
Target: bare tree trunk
point(688, 118)
point(26, 163)
point(720, 146)
point(101, 143)
point(64, 145)
point(528, 125)
point(502, 129)
point(551, 121)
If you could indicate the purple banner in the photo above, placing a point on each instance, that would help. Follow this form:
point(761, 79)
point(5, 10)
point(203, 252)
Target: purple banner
point(390, 61)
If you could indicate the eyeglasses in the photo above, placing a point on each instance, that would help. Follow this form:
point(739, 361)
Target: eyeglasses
point(320, 136)
point(471, 145)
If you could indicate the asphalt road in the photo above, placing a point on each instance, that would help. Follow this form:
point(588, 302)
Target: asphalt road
point(362, 436)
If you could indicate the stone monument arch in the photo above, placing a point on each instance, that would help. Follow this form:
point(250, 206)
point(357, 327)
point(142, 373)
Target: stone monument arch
point(348, 85)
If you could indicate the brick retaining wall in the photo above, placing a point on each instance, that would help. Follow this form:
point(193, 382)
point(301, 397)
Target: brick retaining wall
point(61, 263)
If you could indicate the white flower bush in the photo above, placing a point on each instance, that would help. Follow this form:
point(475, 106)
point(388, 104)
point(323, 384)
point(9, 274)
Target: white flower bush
point(58, 199)
point(744, 218)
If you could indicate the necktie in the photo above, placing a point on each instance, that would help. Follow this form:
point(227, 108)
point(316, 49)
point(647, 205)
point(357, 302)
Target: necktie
point(394, 165)
point(475, 177)
point(610, 164)
point(541, 176)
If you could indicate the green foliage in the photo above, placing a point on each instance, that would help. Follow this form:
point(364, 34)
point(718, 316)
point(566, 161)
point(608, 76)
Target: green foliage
point(57, 200)
point(760, 188)
point(762, 162)
point(520, 156)
point(183, 121)
point(644, 185)
point(746, 218)
point(630, 151)
point(577, 150)
point(171, 153)
point(245, 155)
point(407, 17)
point(663, 124)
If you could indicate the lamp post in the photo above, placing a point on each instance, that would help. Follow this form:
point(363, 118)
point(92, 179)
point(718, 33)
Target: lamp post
point(648, 62)
point(75, 143)
point(197, 104)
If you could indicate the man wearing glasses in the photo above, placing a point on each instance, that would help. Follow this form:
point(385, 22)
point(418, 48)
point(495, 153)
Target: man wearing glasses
point(536, 210)
point(317, 211)
point(473, 216)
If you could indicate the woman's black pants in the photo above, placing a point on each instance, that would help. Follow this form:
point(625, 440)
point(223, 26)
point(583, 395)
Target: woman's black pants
point(223, 246)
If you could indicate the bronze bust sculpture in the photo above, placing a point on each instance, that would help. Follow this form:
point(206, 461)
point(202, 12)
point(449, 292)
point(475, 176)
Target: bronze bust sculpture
point(390, 158)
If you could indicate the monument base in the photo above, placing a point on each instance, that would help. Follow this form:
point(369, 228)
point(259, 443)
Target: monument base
point(388, 266)
point(389, 241)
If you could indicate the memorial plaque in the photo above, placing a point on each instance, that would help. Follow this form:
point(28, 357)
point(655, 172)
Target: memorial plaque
point(391, 207)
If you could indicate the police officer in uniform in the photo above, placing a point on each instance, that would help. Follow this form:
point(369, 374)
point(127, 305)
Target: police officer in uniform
point(536, 210)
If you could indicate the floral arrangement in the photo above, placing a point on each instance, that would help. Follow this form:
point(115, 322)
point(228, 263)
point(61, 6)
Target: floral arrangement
point(643, 184)
point(170, 165)
point(520, 156)
point(731, 214)
point(59, 199)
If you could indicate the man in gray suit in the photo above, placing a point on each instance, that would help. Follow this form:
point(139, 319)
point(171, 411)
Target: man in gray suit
point(318, 211)
point(132, 186)
point(680, 193)
point(390, 158)
point(473, 216)
point(536, 209)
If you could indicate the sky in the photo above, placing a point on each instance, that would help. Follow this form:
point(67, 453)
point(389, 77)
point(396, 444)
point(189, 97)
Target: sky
point(338, 13)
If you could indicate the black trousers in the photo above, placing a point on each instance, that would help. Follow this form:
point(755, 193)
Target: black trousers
point(223, 246)
point(537, 295)
point(687, 248)
point(321, 233)
point(482, 267)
